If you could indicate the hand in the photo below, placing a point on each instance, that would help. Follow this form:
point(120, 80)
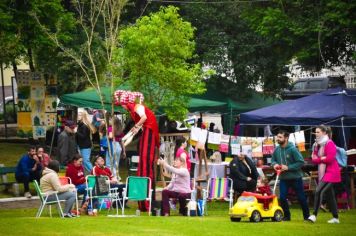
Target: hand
point(323, 158)
point(35, 157)
point(123, 155)
point(249, 178)
point(276, 167)
point(284, 168)
point(160, 161)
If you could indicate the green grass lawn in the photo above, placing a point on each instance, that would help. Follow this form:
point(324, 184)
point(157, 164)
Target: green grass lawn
point(23, 222)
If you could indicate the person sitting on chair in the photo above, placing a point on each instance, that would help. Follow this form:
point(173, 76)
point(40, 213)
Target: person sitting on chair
point(244, 174)
point(75, 171)
point(50, 182)
point(100, 169)
point(43, 157)
point(179, 186)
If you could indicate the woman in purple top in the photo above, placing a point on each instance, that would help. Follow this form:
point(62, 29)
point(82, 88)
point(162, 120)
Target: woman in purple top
point(179, 187)
point(324, 154)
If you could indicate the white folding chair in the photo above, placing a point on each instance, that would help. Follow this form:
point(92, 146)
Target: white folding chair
point(44, 200)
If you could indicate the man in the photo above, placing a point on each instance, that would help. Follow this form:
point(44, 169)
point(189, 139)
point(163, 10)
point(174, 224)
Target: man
point(66, 145)
point(289, 161)
point(28, 169)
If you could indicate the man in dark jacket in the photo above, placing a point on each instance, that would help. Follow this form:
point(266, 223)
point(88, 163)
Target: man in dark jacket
point(288, 159)
point(244, 174)
point(66, 144)
point(28, 169)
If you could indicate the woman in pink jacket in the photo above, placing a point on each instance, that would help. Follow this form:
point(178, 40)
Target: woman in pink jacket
point(324, 154)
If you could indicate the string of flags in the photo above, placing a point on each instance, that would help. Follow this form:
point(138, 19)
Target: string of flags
point(252, 146)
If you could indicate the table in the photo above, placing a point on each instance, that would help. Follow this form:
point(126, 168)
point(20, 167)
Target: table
point(216, 170)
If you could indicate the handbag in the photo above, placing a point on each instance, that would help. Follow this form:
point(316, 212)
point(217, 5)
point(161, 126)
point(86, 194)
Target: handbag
point(101, 186)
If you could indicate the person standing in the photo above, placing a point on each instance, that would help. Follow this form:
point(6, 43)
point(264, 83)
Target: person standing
point(98, 119)
point(149, 142)
point(289, 161)
point(179, 151)
point(28, 169)
point(66, 145)
point(324, 154)
point(84, 138)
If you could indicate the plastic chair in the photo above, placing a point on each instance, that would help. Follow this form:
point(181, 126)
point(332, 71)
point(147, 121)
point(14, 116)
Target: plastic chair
point(138, 189)
point(112, 194)
point(218, 189)
point(67, 180)
point(44, 200)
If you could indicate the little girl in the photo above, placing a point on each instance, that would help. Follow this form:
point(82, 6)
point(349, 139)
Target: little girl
point(264, 189)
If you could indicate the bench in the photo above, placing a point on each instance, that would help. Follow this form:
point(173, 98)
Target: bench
point(4, 181)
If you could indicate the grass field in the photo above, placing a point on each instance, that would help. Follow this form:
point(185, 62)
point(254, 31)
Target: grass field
point(22, 222)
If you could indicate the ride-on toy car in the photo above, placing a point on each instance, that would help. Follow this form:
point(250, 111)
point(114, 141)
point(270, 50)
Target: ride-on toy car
point(253, 206)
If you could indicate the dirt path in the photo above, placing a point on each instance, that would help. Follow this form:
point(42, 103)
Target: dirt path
point(17, 204)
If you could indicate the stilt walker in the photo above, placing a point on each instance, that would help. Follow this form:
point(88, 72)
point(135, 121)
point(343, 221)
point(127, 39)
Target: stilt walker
point(144, 118)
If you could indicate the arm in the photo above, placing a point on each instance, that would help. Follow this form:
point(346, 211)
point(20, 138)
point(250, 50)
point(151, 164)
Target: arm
point(57, 185)
point(140, 110)
point(299, 161)
point(180, 172)
point(235, 172)
point(274, 161)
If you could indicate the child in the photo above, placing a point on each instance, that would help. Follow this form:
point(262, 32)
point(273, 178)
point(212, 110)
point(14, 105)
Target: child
point(264, 189)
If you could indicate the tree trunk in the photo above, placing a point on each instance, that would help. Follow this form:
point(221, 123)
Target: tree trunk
point(30, 59)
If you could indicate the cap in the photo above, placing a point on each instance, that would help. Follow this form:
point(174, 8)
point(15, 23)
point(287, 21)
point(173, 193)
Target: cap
point(71, 124)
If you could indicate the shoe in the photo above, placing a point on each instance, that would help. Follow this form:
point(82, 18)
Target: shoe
point(68, 215)
point(28, 195)
point(312, 218)
point(286, 219)
point(172, 205)
point(334, 221)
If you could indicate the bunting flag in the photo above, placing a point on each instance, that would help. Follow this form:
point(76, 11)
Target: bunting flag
point(300, 140)
point(224, 144)
point(235, 145)
point(246, 146)
point(214, 140)
point(268, 146)
point(257, 147)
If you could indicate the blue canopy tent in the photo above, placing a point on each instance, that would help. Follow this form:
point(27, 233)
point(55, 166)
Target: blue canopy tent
point(334, 107)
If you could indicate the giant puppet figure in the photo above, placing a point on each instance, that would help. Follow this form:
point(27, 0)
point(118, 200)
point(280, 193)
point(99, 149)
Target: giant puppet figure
point(145, 118)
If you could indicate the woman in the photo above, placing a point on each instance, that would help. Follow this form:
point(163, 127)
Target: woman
point(179, 187)
point(50, 182)
point(324, 154)
point(243, 173)
point(179, 150)
point(75, 171)
point(115, 137)
point(44, 157)
point(84, 138)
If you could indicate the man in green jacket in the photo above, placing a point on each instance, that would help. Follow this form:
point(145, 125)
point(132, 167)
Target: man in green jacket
point(288, 159)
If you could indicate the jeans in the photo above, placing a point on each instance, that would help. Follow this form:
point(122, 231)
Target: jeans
point(85, 153)
point(81, 189)
point(68, 196)
point(297, 186)
point(116, 152)
point(26, 178)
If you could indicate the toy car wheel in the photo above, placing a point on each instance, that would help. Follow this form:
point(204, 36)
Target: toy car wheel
point(278, 216)
point(255, 216)
point(235, 219)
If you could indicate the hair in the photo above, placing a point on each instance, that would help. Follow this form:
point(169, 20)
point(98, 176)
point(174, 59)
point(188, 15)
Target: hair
point(53, 165)
point(323, 128)
point(76, 157)
point(102, 129)
point(179, 141)
point(117, 125)
point(284, 133)
point(86, 121)
point(183, 160)
point(96, 158)
point(31, 147)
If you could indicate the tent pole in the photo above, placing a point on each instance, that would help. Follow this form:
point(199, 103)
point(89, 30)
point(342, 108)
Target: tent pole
point(343, 132)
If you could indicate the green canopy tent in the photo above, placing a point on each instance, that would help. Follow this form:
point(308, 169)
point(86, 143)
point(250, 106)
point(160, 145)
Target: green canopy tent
point(212, 101)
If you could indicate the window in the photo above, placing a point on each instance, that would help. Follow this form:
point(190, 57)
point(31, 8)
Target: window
point(300, 85)
point(315, 84)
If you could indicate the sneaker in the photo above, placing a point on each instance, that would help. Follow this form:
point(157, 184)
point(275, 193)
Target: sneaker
point(68, 215)
point(28, 195)
point(312, 218)
point(172, 205)
point(334, 221)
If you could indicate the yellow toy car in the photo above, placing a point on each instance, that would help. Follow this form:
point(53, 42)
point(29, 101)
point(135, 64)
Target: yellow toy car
point(256, 207)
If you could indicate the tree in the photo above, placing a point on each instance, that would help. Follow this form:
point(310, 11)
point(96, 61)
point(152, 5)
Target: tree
point(156, 56)
point(318, 34)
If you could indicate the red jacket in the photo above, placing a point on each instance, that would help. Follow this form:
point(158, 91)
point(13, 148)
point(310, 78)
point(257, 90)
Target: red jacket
point(97, 171)
point(75, 173)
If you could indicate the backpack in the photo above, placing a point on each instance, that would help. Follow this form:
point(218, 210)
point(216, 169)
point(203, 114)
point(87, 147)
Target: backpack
point(341, 156)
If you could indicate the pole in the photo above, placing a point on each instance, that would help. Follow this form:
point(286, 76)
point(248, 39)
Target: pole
point(3, 98)
point(13, 95)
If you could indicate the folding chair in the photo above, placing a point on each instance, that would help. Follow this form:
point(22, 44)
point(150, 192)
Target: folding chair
point(218, 189)
point(138, 189)
point(44, 201)
point(67, 180)
point(134, 160)
point(112, 194)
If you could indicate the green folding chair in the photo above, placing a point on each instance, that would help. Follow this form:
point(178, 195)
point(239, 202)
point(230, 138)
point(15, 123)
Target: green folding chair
point(44, 201)
point(138, 189)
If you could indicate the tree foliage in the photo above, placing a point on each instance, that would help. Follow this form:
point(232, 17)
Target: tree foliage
point(318, 34)
point(156, 56)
